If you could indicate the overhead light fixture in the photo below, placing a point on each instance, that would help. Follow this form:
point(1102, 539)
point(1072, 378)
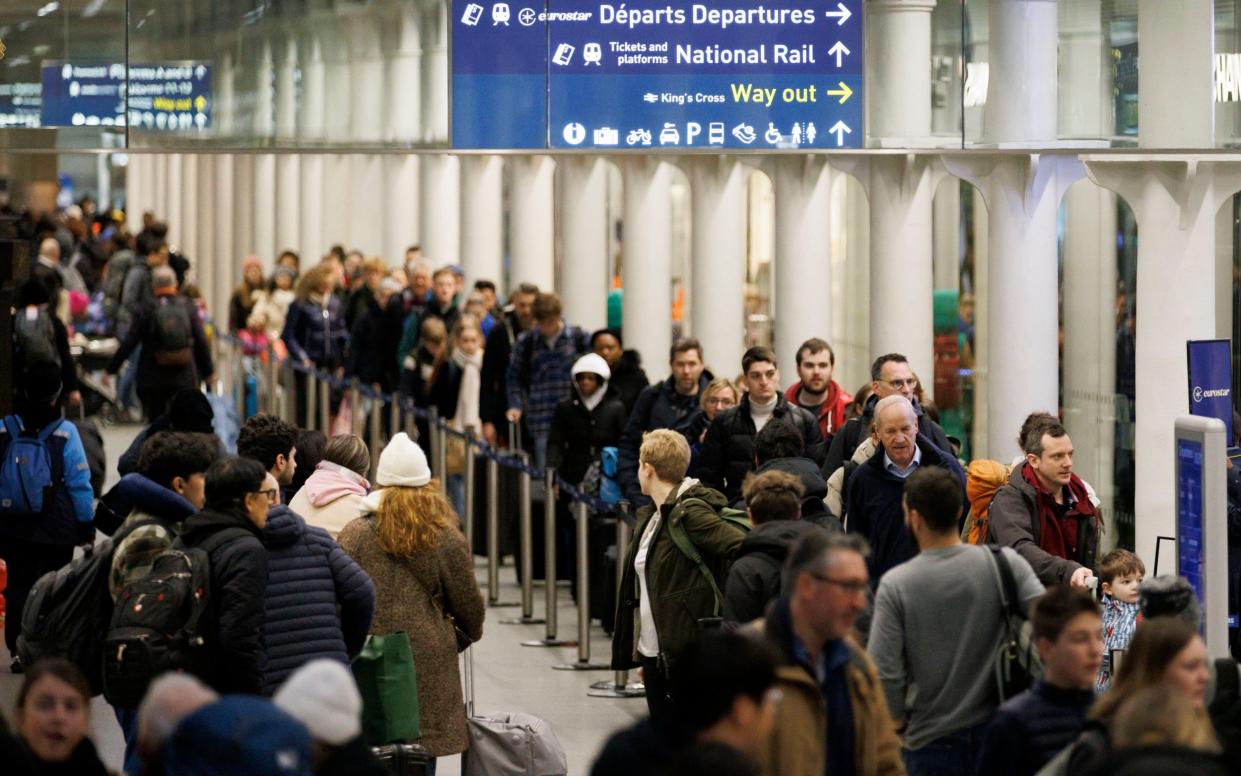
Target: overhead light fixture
point(50, 8)
point(93, 7)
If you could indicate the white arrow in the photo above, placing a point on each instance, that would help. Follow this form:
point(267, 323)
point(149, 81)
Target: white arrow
point(843, 14)
point(839, 51)
point(839, 129)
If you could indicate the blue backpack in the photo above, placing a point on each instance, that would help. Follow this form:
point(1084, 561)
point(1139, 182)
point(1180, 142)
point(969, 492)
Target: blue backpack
point(609, 489)
point(28, 470)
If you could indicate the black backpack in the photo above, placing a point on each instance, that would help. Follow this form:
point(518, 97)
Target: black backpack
point(156, 625)
point(35, 337)
point(173, 333)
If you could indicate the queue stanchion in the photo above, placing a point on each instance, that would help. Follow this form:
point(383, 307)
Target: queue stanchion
point(375, 439)
point(549, 567)
point(493, 535)
point(525, 548)
point(445, 435)
point(619, 686)
point(411, 420)
point(271, 375)
point(312, 399)
point(469, 476)
point(289, 379)
point(582, 513)
point(395, 420)
point(325, 404)
point(355, 408)
point(434, 442)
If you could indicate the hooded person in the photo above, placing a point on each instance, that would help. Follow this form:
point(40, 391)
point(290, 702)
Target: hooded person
point(323, 696)
point(591, 418)
point(239, 734)
point(333, 493)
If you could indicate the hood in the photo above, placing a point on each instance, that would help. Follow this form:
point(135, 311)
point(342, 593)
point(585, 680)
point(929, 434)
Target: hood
point(150, 497)
point(284, 527)
point(208, 521)
point(331, 481)
point(804, 469)
point(691, 488)
point(592, 363)
point(775, 538)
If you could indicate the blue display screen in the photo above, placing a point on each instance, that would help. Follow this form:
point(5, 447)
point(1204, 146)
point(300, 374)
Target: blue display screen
point(1189, 512)
point(168, 97)
point(657, 74)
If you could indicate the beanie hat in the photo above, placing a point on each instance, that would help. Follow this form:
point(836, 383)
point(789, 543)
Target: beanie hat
point(323, 696)
point(239, 734)
point(594, 364)
point(251, 261)
point(402, 463)
point(1171, 596)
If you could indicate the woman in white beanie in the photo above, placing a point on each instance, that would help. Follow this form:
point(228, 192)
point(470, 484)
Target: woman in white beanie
point(323, 696)
point(411, 546)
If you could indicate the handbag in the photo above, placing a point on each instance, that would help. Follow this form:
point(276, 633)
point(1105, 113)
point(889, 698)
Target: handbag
point(384, 671)
point(463, 639)
point(1017, 664)
point(454, 453)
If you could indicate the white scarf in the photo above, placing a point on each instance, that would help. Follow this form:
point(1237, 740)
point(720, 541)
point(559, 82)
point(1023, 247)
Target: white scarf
point(471, 384)
point(592, 400)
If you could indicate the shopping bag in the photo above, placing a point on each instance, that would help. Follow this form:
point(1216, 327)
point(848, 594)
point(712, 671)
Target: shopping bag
point(384, 671)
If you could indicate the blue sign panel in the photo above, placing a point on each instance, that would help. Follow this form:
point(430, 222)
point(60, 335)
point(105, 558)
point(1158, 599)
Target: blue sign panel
point(663, 75)
point(19, 104)
point(161, 97)
point(1189, 529)
point(1210, 380)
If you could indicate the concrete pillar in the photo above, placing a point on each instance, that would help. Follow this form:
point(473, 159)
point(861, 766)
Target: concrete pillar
point(482, 203)
point(225, 236)
point(366, 210)
point(311, 117)
point(264, 207)
point(402, 206)
point(208, 259)
point(286, 90)
point(1023, 196)
point(719, 251)
point(900, 190)
point(172, 199)
point(337, 192)
point(532, 235)
point(288, 203)
point(898, 49)
point(583, 271)
point(435, 31)
point(946, 234)
point(243, 212)
point(1174, 201)
point(647, 251)
point(190, 235)
point(313, 243)
point(366, 82)
point(803, 263)
point(1021, 93)
point(440, 208)
point(404, 77)
point(982, 326)
point(1176, 96)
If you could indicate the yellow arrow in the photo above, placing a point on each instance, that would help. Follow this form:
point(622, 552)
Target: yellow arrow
point(844, 92)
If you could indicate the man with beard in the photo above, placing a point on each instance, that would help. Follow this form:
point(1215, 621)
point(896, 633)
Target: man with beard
point(816, 391)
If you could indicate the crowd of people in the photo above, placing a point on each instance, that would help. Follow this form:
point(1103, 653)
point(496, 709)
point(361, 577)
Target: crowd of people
point(815, 583)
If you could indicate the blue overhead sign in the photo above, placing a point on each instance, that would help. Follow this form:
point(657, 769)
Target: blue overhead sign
point(657, 75)
point(1210, 380)
point(171, 96)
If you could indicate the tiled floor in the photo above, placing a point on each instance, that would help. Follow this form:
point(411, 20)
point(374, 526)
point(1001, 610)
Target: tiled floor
point(508, 677)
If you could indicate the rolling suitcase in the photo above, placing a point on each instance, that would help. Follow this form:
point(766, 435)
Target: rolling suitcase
point(508, 744)
point(402, 759)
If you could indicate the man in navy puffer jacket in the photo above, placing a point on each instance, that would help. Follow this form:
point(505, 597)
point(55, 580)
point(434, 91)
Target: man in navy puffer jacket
point(319, 602)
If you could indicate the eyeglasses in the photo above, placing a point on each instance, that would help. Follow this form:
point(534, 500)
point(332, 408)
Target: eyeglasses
point(850, 586)
point(272, 494)
point(896, 385)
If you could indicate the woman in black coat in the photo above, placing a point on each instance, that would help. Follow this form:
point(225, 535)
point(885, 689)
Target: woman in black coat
point(592, 418)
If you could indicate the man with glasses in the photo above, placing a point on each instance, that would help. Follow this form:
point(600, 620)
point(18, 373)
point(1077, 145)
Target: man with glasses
point(890, 375)
point(832, 716)
point(238, 494)
point(928, 663)
point(728, 451)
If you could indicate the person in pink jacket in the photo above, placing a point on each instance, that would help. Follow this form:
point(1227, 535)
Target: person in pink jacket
point(332, 495)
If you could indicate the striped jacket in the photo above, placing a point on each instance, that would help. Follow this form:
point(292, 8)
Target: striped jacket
point(540, 377)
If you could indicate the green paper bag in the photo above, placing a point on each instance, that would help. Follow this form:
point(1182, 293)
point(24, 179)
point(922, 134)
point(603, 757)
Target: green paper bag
point(384, 671)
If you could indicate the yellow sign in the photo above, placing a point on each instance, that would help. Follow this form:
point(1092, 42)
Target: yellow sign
point(844, 92)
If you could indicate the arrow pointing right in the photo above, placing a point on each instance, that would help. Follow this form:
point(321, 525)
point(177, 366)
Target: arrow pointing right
point(842, 15)
point(840, 50)
point(839, 129)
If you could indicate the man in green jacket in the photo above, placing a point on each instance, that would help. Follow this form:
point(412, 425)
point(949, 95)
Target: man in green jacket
point(664, 592)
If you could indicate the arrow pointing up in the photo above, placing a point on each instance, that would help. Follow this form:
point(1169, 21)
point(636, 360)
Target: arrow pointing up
point(839, 51)
point(844, 92)
point(839, 129)
point(842, 15)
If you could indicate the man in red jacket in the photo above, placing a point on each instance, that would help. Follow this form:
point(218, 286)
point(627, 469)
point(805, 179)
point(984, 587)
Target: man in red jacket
point(816, 391)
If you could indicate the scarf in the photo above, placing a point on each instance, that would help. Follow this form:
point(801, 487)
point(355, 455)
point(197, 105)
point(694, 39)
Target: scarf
point(471, 385)
point(1058, 535)
point(595, 398)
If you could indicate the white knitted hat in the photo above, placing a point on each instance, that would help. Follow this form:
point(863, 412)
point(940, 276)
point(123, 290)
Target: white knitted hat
point(402, 463)
point(323, 696)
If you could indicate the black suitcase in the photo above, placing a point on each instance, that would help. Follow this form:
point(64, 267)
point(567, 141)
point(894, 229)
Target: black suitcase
point(509, 490)
point(403, 759)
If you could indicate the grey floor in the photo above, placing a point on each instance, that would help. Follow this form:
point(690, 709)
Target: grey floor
point(508, 676)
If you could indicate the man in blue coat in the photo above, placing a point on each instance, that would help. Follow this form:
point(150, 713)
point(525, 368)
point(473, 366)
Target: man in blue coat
point(877, 486)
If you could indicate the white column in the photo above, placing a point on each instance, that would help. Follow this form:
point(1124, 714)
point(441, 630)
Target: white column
point(264, 207)
point(647, 250)
point(1176, 96)
point(172, 198)
point(404, 78)
point(225, 236)
point(532, 235)
point(190, 235)
point(286, 90)
point(337, 87)
point(803, 263)
point(898, 48)
point(137, 192)
point(1023, 196)
point(159, 187)
point(719, 250)
point(583, 271)
point(982, 326)
point(366, 210)
point(900, 190)
point(337, 188)
point(288, 203)
point(1174, 201)
point(1021, 93)
point(312, 241)
point(440, 208)
point(482, 203)
point(366, 81)
point(208, 259)
point(402, 206)
point(243, 212)
point(435, 30)
point(265, 95)
point(311, 117)
point(946, 234)
point(1085, 103)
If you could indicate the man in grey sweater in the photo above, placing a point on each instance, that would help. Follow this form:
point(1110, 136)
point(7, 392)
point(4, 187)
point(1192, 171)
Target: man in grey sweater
point(938, 624)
